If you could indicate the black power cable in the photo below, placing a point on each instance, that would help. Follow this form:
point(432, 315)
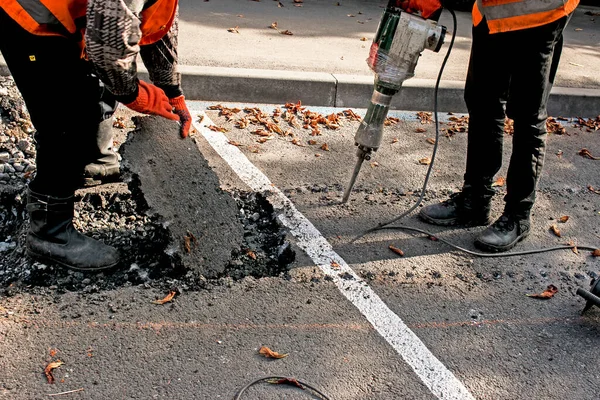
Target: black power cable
point(387, 225)
point(279, 380)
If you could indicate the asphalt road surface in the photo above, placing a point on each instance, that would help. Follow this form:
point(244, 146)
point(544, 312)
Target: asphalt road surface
point(357, 320)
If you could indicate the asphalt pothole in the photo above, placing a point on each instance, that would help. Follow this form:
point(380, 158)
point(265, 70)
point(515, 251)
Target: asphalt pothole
point(118, 217)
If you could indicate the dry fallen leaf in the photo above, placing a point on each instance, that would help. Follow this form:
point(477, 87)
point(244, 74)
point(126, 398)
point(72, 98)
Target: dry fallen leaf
point(374, 164)
point(268, 353)
point(395, 140)
point(591, 189)
point(396, 250)
point(318, 155)
point(420, 130)
point(425, 161)
point(501, 181)
point(49, 368)
point(430, 140)
point(167, 298)
point(285, 381)
point(586, 153)
point(189, 241)
point(233, 30)
point(234, 143)
point(563, 219)
point(573, 247)
point(335, 265)
point(425, 117)
point(254, 149)
point(286, 32)
point(550, 291)
point(312, 142)
point(251, 254)
point(363, 39)
point(274, 25)
point(325, 147)
point(555, 230)
point(217, 129)
point(53, 352)
point(596, 253)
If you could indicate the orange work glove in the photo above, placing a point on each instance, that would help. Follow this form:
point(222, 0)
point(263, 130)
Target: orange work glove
point(185, 118)
point(153, 101)
point(426, 7)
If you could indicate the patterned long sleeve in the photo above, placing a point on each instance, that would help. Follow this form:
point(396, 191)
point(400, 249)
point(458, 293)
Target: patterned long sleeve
point(112, 41)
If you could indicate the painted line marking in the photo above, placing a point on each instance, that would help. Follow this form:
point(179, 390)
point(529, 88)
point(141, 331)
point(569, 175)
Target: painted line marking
point(440, 381)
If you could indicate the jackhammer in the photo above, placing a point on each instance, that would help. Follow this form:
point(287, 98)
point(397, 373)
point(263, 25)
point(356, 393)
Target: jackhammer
point(396, 48)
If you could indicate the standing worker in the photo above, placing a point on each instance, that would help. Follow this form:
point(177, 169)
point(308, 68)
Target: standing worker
point(515, 53)
point(72, 61)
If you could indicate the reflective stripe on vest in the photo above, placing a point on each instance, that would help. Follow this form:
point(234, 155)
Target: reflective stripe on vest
point(511, 15)
point(65, 17)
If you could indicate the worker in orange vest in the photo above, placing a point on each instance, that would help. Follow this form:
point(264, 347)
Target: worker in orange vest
point(72, 61)
point(514, 56)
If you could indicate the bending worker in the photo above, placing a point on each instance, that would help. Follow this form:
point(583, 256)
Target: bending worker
point(514, 56)
point(72, 61)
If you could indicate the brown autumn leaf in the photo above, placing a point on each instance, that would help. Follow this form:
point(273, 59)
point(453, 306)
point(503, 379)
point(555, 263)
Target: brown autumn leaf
point(389, 121)
point(395, 140)
point(509, 126)
point(217, 129)
point(251, 254)
point(189, 241)
point(501, 181)
point(264, 139)
point(425, 161)
point(430, 140)
point(396, 250)
point(420, 130)
point(234, 143)
point(335, 265)
point(53, 353)
point(363, 39)
point(586, 153)
point(554, 229)
point(318, 155)
point(573, 247)
point(425, 117)
point(254, 149)
point(286, 32)
point(553, 126)
point(274, 26)
point(268, 353)
point(48, 370)
point(312, 142)
point(285, 381)
point(563, 219)
point(591, 189)
point(325, 147)
point(550, 291)
point(374, 164)
point(233, 30)
point(166, 299)
point(596, 253)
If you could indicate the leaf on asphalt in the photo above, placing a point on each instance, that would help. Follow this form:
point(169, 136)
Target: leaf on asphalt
point(425, 161)
point(254, 149)
point(285, 381)
point(189, 241)
point(573, 247)
point(374, 164)
point(501, 181)
point(425, 117)
point(590, 124)
point(351, 115)
point(509, 126)
point(391, 121)
point(264, 139)
point(396, 250)
point(563, 219)
point(325, 147)
point(261, 132)
point(233, 30)
point(48, 370)
point(318, 155)
point(53, 353)
point(268, 353)
point(554, 229)
point(335, 266)
point(596, 253)
point(395, 140)
point(553, 126)
point(591, 189)
point(430, 140)
point(420, 130)
point(363, 39)
point(550, 291)
point(217, 129)
point(297, 142)
point(166, 299)
point(586, 153)
point(274, 26)
point(234, 143)
point(286, 32)
point(251, 254)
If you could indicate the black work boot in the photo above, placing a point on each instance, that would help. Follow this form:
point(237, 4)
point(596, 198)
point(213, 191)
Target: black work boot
point(504, 234)
point(462, 208)
point(104, 165)
point(52, 236)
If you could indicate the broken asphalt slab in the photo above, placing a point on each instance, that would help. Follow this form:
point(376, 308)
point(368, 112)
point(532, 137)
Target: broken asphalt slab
point(177, 184)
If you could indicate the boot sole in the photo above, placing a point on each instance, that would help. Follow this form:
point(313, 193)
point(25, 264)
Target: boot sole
point(452, 222)
point(40, 257)
point(498, 249)
point(91, 182)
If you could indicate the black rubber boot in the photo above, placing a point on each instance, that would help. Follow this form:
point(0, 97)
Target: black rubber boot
point(462, 208)
point(52, 236)
point(104, 165)
point(504, 234)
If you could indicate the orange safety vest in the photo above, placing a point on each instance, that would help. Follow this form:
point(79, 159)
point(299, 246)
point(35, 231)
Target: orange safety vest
point(67, 17)
point(512, 15)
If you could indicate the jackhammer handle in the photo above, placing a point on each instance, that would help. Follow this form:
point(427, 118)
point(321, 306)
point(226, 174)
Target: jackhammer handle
point(589, 296)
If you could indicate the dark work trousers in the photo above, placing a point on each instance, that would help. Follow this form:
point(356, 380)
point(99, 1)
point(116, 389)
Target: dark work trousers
point(510, 72)
point(65, 100)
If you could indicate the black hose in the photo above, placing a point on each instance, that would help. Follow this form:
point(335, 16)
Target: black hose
point(281, 380)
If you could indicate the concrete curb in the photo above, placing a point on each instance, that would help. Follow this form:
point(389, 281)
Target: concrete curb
point(339, 90)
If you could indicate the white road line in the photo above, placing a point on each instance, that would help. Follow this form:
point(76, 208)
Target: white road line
point(440, 381)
